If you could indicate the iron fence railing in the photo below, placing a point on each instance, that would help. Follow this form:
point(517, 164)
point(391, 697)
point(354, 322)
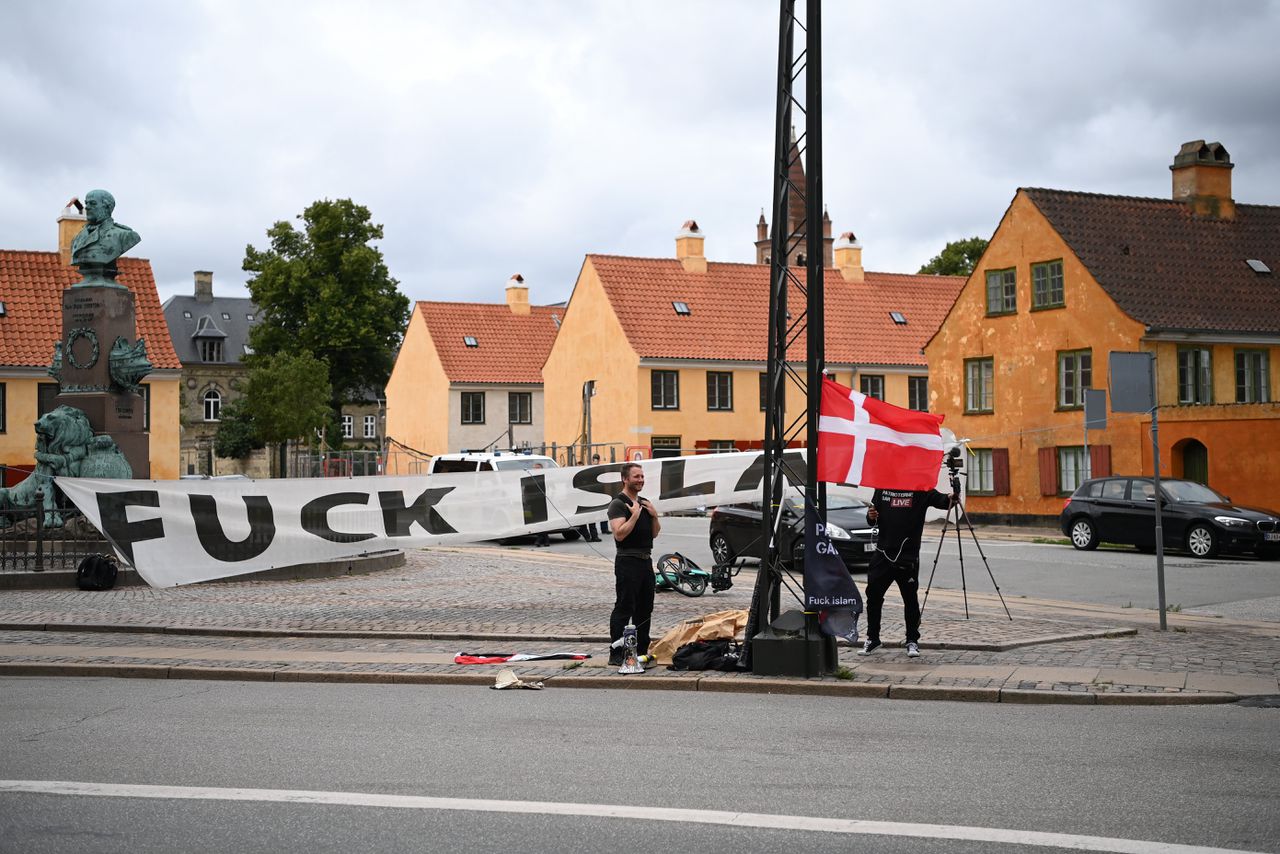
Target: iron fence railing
point(27, 544)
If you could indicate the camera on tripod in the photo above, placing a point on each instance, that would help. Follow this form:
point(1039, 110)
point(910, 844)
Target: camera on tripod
point(954, 461)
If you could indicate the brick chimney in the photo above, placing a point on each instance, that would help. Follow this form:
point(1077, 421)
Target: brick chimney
point(848, 254)
point(70, 221)
point(1202, 179)
point(204, 285)
point(517, 295)
point(689, 248)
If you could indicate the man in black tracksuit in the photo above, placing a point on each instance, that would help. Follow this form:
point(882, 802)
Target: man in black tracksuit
point(900, 516)
point(634, 522)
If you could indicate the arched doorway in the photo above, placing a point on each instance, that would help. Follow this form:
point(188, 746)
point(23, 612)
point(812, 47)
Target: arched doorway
point(1194, 457)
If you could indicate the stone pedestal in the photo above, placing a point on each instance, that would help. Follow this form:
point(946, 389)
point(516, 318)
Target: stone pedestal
point(93, 319)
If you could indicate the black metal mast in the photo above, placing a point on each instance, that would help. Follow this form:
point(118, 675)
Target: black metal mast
point(785, 330)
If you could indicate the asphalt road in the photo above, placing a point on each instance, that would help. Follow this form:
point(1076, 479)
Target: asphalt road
point(941, 776)
point(1234, 586)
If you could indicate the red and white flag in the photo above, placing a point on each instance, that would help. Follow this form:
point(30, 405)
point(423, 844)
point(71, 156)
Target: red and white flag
point(867, 442)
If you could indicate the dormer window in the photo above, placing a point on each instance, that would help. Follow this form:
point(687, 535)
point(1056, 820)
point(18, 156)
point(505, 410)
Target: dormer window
point(682, 308)
point(210, 349)
point(470, 341)
point(898, 318)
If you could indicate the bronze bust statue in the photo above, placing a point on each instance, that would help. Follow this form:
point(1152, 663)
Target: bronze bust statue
point(96, 248)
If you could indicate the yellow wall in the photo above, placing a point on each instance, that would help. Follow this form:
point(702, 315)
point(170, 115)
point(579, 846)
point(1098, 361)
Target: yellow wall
point(166, 439)
point(1024, 347)
point(591, 346)
point(18, 442)
point(417, 396)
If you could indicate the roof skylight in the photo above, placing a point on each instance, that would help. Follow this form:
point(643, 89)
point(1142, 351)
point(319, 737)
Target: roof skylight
point(898, 318)
point(470, 341)
point(681, 308)
point(1258, 266)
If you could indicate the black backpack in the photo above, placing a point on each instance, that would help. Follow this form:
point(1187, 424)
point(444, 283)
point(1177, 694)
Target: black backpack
point(96, 572)
point(721, 654)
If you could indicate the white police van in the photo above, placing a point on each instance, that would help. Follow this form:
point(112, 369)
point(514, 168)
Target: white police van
point(488, 461)
point(468, 461)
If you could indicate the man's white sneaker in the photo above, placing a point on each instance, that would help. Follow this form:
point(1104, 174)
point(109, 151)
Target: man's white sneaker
point(913, 650)
point(869, 646)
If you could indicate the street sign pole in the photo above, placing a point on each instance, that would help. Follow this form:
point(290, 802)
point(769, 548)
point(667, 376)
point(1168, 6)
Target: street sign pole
point(1133, 389)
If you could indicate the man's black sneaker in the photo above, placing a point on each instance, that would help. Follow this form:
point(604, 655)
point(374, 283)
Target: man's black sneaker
point(615, 658)
point(869, 646)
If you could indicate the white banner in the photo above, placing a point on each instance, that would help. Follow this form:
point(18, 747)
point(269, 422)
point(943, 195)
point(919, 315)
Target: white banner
point(182, 531)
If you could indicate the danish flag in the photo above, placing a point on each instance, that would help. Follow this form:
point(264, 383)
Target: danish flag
point(867, 442)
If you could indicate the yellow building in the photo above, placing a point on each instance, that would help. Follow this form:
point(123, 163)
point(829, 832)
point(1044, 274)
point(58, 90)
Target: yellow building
point(676, 347)
point(31, 286)
point(1069, 278)
point(469, 377)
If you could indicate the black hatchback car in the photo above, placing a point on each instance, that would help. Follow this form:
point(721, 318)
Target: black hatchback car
point(735, 531)
point(1194, 517)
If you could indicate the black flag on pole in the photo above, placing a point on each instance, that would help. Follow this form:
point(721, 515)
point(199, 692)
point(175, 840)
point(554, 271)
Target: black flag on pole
point(828, 586)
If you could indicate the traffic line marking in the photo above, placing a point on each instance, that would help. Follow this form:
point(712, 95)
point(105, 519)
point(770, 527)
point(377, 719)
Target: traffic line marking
point(765, 821)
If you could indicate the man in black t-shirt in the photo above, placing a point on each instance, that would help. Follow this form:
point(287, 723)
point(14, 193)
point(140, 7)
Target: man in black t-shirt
point(634, 523)
point(900, 516)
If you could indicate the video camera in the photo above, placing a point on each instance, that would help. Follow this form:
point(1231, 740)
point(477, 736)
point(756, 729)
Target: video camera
point(954, 461)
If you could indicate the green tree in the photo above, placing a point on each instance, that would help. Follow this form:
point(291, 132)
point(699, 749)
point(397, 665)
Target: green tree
point(325, 289)
point(288, 396)
point(237, 433)
point(957, 258)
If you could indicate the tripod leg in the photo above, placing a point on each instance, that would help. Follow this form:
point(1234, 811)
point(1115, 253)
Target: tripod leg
point(964, 591)
point(941, 539)
point(974, 534)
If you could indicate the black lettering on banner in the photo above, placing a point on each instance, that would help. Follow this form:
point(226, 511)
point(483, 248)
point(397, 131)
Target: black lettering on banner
point(533, 498)
point(315, 516)
point(116, 527)
point(793, 469)
point(213, 538)
point(671, 481)
point(588, 480)
point(397, 516)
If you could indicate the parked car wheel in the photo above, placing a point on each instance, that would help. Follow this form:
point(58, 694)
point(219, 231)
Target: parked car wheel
point(1269, 554)
point(797, 554)
point(721, 551)
point(1083, 535)
point(570, 536)
point(1201, 540)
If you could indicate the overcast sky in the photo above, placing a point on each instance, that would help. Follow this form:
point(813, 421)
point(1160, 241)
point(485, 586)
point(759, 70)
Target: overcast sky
point(492, 138)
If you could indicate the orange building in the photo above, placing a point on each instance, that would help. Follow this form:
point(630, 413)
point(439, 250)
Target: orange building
point(676, 347)
point(31, 286)
point(469, 376)
point(1069, 278)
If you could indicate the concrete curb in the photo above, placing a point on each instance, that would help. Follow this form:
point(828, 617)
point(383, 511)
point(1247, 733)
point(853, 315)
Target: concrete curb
point(481, 637)
point(713, 684)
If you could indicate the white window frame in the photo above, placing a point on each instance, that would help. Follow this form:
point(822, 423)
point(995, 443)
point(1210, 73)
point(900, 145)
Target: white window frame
point(212, 405)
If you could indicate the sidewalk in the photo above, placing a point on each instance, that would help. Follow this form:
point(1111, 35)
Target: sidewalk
point(406, 624)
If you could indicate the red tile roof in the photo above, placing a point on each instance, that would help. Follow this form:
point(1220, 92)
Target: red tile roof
point(729, 311)
point(1169, 269)
point(31, 286)
point(511, 347)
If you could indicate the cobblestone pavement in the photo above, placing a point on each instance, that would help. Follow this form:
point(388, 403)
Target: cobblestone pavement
point(406, 624)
